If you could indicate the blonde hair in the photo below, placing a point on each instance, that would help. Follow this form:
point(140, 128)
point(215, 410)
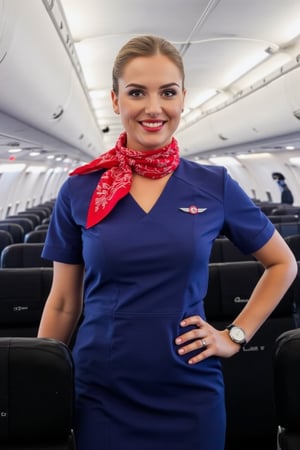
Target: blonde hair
point(143, 46)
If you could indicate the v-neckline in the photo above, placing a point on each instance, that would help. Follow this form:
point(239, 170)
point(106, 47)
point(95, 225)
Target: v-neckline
point(157, 201)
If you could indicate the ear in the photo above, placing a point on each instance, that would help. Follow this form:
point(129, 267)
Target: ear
point(183, 99)
point(115, 102)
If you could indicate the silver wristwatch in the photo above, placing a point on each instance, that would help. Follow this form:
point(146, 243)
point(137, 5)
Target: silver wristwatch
point(237, 334)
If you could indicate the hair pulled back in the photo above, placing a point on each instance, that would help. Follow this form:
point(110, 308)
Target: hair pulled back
point(144, 46)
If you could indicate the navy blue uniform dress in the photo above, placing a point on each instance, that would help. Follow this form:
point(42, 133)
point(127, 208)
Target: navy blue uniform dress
point(145, 272)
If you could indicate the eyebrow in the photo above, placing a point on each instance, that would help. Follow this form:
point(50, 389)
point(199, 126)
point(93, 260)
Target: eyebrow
point(164, 86)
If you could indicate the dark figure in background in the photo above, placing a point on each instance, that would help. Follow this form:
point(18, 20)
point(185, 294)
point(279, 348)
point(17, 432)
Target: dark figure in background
point(286, 194)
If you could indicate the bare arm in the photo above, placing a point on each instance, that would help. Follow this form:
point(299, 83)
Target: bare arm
point(64, 303)
point(280, 271)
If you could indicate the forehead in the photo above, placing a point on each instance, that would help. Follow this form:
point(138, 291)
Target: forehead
point(146, 70)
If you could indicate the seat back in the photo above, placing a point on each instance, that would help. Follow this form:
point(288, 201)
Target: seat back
point(34, 218)
point(248, 374)
point(25, 223)
point(284, 218)
point(223, 250)
point(24, 255)
point(36, 236)
point(288, 228)
point(286, 366)
point(267, 206)
point(36, 395)
point(22, 297)
point(42, 210)
point(43, 226)
point(14, 229)
point(46, 221)
point(282, 210)
point(5, 239)
point(42, 213)
point(293, 242)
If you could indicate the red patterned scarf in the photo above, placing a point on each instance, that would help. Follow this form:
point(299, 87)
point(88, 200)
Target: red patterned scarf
point(121, 161)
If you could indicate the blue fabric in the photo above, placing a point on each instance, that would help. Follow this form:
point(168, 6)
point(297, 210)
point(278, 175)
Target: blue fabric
point(144, 273)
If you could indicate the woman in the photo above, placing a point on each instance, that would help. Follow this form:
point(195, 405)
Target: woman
point(286, 194)
point(135, 227)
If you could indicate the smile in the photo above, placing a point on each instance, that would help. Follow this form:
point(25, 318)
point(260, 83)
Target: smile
point(156, 124)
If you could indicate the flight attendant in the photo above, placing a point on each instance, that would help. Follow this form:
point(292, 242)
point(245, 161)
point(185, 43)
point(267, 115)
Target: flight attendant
point(286, 194)
point(130, 237)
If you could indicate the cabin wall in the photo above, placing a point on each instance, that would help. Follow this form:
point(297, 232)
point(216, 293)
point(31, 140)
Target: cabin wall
point(19, 190)
point(254, 173)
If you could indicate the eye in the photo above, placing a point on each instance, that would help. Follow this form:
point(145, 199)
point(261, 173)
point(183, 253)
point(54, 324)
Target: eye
point(169, 93)
point(136, 93)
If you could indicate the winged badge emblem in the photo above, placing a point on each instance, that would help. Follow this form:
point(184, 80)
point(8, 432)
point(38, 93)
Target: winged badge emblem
point(193, 210)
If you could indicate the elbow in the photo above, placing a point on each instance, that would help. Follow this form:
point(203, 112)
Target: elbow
point(290, 267)
point(293, 268)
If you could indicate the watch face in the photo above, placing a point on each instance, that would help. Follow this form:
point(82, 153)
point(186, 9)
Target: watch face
point(237, 335)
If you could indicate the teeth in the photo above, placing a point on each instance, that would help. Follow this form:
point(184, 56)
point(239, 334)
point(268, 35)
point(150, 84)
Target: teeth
point(152, 124)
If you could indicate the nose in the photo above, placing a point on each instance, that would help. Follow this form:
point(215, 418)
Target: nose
point(153, 105)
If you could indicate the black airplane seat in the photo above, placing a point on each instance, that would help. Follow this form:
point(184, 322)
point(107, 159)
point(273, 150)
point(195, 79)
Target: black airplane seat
point(286, 369)
point(36, 395)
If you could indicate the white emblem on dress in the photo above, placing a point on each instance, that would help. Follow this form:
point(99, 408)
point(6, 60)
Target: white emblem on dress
point(193, 210)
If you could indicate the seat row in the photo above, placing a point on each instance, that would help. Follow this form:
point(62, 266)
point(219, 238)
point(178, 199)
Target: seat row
point(224, 250)
point(251, 414)
point(247, 375)
point(15, 233)
point(45, 367)
point(29, 254)
point(22, 225)
point(23, 255)
point(287, 229)
point(286, 371)
point(278, 209)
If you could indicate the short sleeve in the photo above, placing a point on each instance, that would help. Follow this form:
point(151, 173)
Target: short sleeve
point(244, 222)
point(63, 242)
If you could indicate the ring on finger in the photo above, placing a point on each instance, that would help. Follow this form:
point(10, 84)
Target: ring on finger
point(203, 343)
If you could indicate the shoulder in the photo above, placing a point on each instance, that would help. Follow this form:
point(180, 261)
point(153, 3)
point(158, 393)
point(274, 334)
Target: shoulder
point(83, 179)
point(81, 185)
point(74, 195)
point(193, 167)
point(201, 174)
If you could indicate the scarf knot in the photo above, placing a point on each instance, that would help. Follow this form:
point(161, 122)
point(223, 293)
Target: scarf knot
point(120, 163)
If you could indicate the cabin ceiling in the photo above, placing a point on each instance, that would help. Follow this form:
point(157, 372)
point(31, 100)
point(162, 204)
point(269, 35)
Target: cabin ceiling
point(233, 51)
point(218, 39)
